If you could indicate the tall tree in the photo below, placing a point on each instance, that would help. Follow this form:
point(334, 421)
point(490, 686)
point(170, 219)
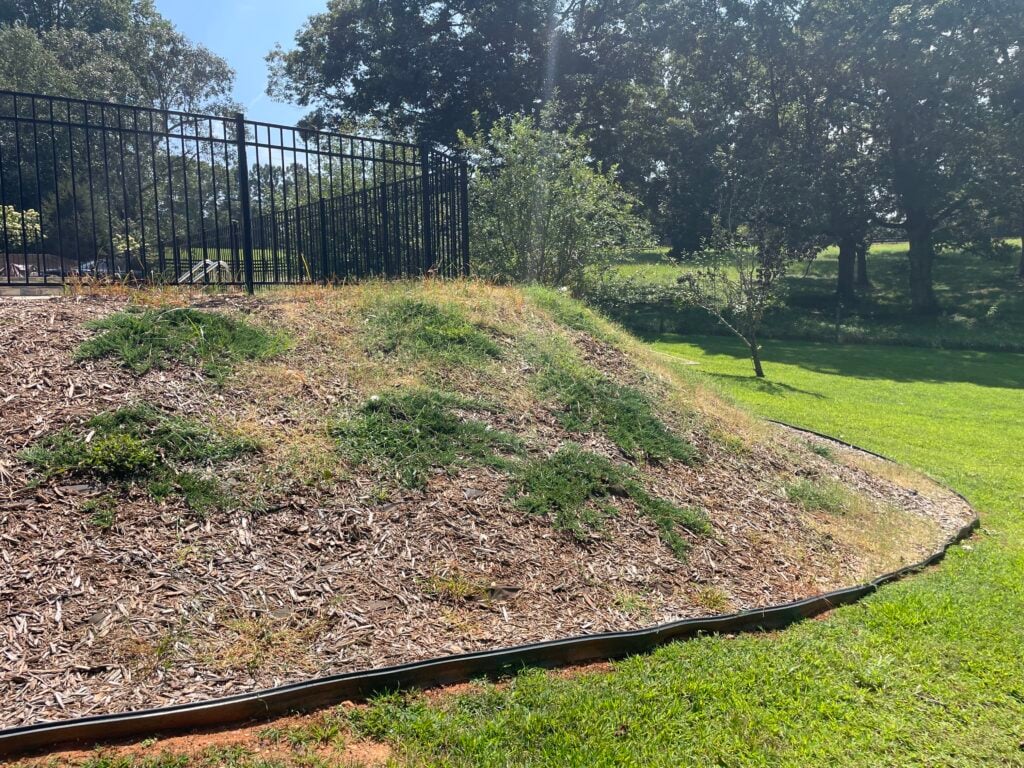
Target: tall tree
point(924, 74)
point(116, 50)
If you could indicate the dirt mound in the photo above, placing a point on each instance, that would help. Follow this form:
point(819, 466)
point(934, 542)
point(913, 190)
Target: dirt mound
point(203, 496)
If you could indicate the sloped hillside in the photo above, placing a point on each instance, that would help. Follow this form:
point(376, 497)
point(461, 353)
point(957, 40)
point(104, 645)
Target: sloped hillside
point(203, 495)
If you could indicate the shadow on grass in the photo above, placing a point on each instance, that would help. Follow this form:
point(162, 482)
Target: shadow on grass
point(766, 385)
point(987, 369)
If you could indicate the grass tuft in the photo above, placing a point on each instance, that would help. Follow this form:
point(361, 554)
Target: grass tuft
point(421, 329)
point(406, 433)
point(823, 496)
point(151, 338)
point(568, 312)
point(590, 402)
point(141, 444)
point(102, 512)
point(573, 489)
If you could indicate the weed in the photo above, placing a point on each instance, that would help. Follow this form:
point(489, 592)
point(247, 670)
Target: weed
point(409, 432)
point(150, 338)
point(823, 496)
point(632, 604)
point(454, 587)
point(713, 598)
point(591, 402)
point(821, 450)
point(421, 329)
point(572, 488)
point(140, 443)
point(102, 512)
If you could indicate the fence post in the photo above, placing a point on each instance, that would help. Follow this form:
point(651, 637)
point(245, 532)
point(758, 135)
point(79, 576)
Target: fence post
point(323, 241)
point(428, 224)
point(464, 213)
point(243, 188)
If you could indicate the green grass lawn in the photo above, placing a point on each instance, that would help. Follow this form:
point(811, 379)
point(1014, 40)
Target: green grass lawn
point(982, 301)
point(928, 672)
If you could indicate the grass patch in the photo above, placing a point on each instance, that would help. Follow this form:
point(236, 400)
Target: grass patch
point(590, 402)
point(140, 444)
point(568, 312)
point(406, 433)
point(419, 329)
point(573, 488)
point(143, 339)
point(823, 495)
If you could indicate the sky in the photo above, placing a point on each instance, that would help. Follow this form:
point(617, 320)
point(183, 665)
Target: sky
point(243, 32)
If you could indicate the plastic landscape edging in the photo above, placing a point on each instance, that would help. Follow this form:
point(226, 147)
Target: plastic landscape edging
point(324, 691)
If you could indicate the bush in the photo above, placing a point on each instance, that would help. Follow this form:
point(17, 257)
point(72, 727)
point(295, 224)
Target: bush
point(541, 213)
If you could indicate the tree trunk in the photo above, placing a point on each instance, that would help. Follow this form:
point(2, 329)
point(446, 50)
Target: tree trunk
point(922, 257)
point(863, 283)
point(847, 267)
point(755, 355)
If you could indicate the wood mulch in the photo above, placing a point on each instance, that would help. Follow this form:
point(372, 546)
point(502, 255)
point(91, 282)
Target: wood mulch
point(167, 608)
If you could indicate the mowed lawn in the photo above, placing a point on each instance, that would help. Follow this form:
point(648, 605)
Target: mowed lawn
point(928, 672)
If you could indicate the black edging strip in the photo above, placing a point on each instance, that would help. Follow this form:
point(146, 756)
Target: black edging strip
point(324, 691)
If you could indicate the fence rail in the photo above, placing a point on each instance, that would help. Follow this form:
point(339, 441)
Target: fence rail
point(134, 193)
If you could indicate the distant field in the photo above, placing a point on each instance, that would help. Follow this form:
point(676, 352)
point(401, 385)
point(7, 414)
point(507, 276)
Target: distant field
point(982, 302)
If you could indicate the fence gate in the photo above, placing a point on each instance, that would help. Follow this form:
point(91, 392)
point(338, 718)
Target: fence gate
point(134, 193)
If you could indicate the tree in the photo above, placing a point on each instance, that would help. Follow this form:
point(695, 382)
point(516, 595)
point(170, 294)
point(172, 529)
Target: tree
point(924, 74)
point(111, 50)
point(739, 278)
point(540, 212)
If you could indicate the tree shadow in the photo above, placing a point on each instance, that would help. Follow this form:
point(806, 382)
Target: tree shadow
point(765, 385)
point(894, 363)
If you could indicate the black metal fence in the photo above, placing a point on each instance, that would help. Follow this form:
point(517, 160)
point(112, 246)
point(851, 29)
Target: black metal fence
point(134, 193)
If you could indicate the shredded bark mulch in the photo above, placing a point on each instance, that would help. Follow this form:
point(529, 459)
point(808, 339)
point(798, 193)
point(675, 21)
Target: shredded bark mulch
point(167, 608)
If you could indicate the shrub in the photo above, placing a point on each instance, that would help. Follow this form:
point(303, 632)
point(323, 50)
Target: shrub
point(150, 338)
point(408, 432)
point(540, 211)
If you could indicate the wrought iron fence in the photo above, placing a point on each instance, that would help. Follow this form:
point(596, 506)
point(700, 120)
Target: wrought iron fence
point(135, 193)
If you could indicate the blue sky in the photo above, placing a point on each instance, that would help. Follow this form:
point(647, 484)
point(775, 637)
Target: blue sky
point(243, 32)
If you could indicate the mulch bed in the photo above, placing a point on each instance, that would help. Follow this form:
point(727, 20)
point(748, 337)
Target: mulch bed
point(166, 608)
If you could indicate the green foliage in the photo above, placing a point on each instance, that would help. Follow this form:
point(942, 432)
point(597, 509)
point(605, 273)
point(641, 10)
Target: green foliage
point(822, 495)
point(591, 402)
point(567, 311)
point(21, 228)
point(102, 511)
point(572, 487)
point(406, 433)
point(116, 50)
point(540, 212)
point(141, 444)
point(924, 672)
point(151, 338)
point(424, 330)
